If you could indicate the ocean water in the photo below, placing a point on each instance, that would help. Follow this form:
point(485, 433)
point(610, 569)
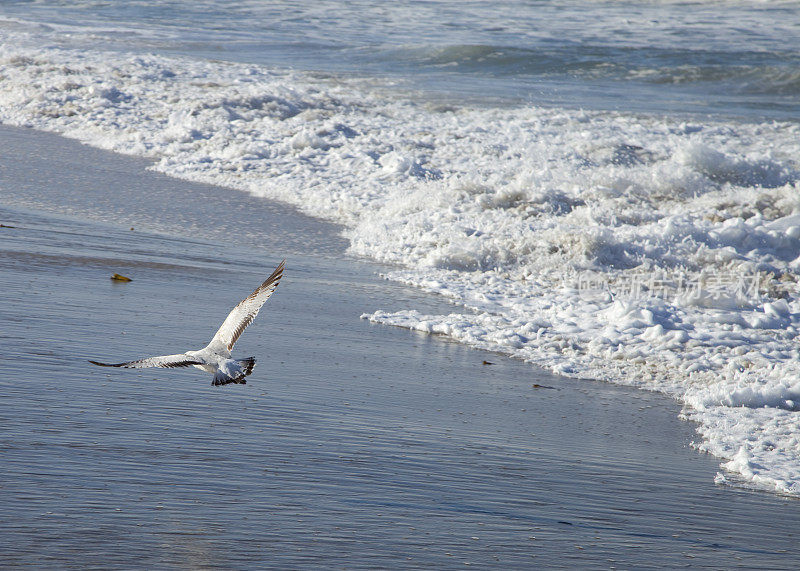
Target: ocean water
point(610, 190)
point(327, 457)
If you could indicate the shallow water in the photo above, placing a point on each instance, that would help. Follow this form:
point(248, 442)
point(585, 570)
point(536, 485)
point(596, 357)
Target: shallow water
point(619, 201)
point(352, 444)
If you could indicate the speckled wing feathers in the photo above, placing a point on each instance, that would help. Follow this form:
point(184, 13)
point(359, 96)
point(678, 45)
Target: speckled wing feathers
point(244, 313)
point(165, 361)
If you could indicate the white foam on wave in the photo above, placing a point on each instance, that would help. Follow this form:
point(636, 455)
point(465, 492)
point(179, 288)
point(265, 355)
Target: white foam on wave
point(655, 252)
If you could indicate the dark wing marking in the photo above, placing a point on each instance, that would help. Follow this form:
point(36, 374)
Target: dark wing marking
point(166, 361)
point(247, 309)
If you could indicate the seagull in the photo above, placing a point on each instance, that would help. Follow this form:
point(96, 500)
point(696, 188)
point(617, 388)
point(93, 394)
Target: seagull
point(216, 356)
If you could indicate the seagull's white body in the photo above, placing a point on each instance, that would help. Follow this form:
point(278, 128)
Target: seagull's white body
point(216, 356)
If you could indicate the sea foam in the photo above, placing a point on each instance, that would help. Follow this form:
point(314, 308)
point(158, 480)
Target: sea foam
point(651, 251)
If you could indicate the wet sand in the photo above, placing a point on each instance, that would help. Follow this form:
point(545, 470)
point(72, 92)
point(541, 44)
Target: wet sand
point(352, 446)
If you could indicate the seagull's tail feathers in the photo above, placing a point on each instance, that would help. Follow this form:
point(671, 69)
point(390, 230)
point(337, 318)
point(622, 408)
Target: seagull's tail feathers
point(248, 365)
point(236, 373)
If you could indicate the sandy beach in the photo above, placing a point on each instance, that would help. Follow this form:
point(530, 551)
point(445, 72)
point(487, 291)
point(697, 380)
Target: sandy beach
point(353, 445)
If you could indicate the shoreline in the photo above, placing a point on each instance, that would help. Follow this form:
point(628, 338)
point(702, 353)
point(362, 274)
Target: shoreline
point(357, 444)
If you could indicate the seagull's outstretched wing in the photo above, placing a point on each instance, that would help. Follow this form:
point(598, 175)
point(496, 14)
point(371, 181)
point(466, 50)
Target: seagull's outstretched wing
point(244, 313)
point(167, 361)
